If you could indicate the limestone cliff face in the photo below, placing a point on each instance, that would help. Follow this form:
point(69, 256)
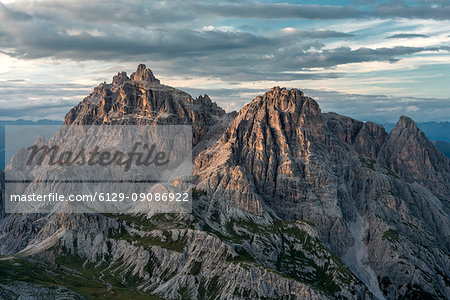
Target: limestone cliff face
point(369, 194)
point(289, 202)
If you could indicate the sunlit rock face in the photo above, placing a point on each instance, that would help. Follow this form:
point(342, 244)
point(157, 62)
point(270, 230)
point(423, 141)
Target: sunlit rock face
point(289, 202)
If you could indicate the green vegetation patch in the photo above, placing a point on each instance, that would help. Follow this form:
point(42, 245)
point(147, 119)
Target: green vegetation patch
point(296, 259)
point(157, 221)
point(198, 193)
point(195, 268)
point(368, 163)
point(391, 235)
point(71, 272)
point(166, 241)
point(390, 172)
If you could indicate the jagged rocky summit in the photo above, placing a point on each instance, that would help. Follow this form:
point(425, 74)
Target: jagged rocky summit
point(141, 100)
point(289, 203)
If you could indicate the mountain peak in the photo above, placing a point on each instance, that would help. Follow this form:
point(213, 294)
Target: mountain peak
point(282, 92)
point(144, 74)
point(293, 100)
point(120, 78)
point(409, 153)
point(407, 123)
point(141, 100)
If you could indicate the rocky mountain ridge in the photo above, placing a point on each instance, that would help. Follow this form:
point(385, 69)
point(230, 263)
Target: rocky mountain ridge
point(289, 202)
point(141, 100)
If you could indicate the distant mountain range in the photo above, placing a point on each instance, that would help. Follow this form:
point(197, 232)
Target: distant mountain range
point(288, 203)
point(444, 147)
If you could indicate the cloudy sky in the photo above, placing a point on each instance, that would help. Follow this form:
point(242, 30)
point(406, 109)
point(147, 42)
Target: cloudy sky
point(372, 60)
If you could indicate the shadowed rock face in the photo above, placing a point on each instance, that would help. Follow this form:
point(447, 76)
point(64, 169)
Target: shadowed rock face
point(283, 190)
point(409, 153)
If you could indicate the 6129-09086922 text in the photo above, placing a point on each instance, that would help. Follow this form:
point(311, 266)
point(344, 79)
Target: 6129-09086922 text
point(101, 197)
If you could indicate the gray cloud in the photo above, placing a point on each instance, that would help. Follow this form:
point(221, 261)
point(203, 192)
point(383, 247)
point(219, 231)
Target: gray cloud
point(203, 52)
point(13, 91)
point(381, 108)
point(36, 112)
point(314, 34)
point(144, 13)
point(37, 37)
point(438, 10)
point(377, 108)
point(14, 14)
point(280, 11)
point(231, 55)
point(24, 100)
point(407, 35)
point(92, 31)
point(285, 63)
point(135, 12)
point(123, 45)
point(345, 55)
